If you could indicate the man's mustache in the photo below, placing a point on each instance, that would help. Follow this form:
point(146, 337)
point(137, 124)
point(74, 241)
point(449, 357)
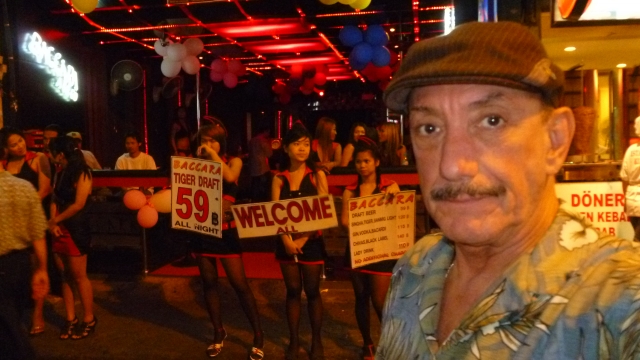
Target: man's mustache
point(451, 192)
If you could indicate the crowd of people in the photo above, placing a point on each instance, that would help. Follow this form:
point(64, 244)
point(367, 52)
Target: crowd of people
point(513, 275)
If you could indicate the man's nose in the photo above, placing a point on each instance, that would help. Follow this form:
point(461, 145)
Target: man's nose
point(459, 156)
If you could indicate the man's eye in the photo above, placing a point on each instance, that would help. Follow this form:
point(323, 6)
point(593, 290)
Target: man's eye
point(492, 121)
point(427, 129)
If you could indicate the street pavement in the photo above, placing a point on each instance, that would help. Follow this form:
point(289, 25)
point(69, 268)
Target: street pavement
point(154, 317)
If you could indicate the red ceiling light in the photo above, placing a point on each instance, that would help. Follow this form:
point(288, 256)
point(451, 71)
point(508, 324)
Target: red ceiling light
point(321, 59)
point(285, 46)
point(268, 27)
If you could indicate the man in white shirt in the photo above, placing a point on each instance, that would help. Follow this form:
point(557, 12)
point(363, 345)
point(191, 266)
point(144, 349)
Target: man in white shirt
point(134, 159)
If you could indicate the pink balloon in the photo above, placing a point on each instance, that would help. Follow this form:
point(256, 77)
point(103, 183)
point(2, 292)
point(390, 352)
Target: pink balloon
point(219, 66)
point(236, 67)
point(320, 78)
point(134, 199)
point(215, 76)
point(194, 46)
point(170, 68)
point(230, 80)
point(191, 65)
point(147, 216)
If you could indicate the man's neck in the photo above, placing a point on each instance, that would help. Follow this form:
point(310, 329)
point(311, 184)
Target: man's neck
point(135, 154)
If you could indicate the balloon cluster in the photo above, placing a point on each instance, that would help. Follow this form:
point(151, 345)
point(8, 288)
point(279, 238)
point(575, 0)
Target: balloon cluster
point(178, 56)
point(304, 79)
point(369, 54)
point(368, 47)
point(356, 4)
point(85, 6)
point(148, 208)
point(227, 71)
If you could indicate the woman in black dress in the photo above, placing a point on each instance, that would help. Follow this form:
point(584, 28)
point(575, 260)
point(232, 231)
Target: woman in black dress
point(301, 255)
point(212, 139)
point(69, 225)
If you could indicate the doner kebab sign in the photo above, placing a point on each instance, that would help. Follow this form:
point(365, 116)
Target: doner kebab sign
point(285, 216)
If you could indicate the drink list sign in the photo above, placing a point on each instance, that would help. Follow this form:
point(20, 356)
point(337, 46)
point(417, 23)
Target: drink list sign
point(196, 195)
point(381, 227)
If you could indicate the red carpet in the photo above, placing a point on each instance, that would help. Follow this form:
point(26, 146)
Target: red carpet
point(257, 265)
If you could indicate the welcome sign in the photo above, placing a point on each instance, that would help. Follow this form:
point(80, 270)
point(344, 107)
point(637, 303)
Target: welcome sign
point(285, 217)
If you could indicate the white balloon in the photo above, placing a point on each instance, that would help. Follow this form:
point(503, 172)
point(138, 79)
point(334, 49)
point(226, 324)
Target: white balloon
point(176, 52)
point(191, 65)
point(160, 50)
point(170, 68)
point(194, 46)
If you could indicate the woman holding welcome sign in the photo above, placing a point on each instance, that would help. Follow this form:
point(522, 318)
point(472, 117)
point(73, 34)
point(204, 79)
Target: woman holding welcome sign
point(370, 281)
point(212, 146)
point(301, 255)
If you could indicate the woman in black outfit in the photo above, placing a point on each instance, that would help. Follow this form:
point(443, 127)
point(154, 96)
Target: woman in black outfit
point(69, 225)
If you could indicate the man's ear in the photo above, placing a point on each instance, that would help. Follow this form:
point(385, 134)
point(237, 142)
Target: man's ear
point(560, 127)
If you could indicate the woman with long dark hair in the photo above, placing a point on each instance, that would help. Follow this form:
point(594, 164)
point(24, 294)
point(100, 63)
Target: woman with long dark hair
point(370, 282)
point(69, 225)
point(357, 129)
point(212, 141)
point(28, 165)
point(35, 168)
point(301, 256)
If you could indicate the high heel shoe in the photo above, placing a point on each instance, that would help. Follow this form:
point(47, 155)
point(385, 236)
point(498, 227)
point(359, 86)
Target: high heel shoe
point(215, 349)
point(256, 354)
point(68, 329)
point(85, 329)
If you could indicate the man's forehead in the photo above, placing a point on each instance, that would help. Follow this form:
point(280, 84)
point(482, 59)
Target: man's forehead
point(468, 95)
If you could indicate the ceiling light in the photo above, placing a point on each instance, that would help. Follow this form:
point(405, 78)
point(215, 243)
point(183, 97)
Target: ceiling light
point(621, 66)
point(396, 46)
point(570, 48)
point(392, 29)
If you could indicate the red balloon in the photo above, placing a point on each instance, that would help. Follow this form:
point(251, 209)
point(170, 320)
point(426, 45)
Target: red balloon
point(368, 70)
point(284, 98)
point(383, 73)
point(320, 78)
point(394, 57)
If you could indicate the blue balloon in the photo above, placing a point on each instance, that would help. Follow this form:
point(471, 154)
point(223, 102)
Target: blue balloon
point(376, 36)
point(381, 56)
point(355, 64)
point(362, 53)
point(350, 35)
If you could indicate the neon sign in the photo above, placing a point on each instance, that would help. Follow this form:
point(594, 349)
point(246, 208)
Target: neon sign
point(64, 77)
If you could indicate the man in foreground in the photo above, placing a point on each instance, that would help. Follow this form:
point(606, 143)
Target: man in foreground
point(22, 228)
point(515, 275)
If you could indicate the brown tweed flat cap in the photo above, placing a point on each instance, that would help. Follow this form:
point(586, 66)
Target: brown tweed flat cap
point(502, 53)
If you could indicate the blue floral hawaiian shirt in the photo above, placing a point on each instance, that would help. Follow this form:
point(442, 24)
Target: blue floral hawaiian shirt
point(576, 295)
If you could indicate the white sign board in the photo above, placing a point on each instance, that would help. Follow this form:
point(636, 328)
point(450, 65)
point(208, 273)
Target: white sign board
point(196, 195)
point(602, 203)
point(285, 217)
point(381, 227)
